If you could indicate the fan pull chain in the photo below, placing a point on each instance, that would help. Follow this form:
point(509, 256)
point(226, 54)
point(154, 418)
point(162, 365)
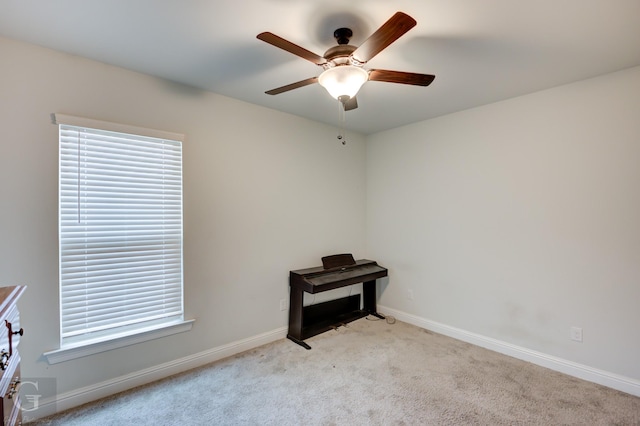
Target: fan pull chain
point(342, 118)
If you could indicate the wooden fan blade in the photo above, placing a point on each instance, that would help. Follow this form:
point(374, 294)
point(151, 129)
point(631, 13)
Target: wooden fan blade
point(389, 32)
point(291, 48)
point(292, 86)
point(401, 77)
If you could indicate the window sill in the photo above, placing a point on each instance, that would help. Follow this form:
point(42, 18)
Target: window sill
point(90, 348)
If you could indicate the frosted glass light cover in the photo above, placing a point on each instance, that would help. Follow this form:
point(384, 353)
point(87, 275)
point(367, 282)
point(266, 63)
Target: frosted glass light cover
point(343, 80)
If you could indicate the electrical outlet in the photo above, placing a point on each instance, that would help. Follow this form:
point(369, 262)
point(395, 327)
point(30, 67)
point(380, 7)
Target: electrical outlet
point(576, 334)
point(410, 294)
point(283, 304)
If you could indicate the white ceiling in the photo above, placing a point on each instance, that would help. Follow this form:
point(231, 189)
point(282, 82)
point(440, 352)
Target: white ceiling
point(481, 51)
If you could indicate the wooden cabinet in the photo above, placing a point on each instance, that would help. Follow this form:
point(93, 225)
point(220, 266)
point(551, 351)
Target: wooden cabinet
point(10, 332)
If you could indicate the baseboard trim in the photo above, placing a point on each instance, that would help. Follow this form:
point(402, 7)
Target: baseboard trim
point(605, 378)
point(104, 389)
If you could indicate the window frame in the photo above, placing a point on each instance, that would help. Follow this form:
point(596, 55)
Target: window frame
point(75, 348)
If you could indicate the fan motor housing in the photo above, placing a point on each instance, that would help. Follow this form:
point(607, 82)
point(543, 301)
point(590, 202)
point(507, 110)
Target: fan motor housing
point(339, 54)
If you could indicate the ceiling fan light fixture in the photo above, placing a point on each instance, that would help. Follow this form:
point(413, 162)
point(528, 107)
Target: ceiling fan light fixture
point(344, 80)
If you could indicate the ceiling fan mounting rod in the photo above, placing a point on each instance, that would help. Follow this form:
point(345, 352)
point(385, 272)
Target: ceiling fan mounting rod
point(342, 35)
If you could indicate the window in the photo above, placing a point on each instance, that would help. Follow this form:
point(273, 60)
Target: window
point(120, 230)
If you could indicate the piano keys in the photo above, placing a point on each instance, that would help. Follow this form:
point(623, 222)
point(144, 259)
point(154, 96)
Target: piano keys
point(337, 271)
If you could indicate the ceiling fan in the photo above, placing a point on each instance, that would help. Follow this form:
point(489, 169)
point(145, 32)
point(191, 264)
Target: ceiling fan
point(343, 65)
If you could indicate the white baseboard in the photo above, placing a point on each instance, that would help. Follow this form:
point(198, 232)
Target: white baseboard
point(87, 394)
point(605, 378)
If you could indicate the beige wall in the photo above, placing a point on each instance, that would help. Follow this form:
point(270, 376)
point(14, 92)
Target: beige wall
point(264, 193)
point(518, 220)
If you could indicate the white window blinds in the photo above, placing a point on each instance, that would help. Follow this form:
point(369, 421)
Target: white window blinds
point(120, 200)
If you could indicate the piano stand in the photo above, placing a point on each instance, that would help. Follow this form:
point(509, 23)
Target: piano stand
point(308, 321)
point(300, 342)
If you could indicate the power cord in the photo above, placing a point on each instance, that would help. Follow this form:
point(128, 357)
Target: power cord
point(388, 318)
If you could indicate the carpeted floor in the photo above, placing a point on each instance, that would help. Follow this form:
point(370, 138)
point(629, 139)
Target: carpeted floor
point(369, 373)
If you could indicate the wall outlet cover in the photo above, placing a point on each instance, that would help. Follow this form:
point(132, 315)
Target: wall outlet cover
point(576, 334)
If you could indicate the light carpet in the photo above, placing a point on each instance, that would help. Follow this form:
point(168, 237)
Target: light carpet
point(368, 373)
